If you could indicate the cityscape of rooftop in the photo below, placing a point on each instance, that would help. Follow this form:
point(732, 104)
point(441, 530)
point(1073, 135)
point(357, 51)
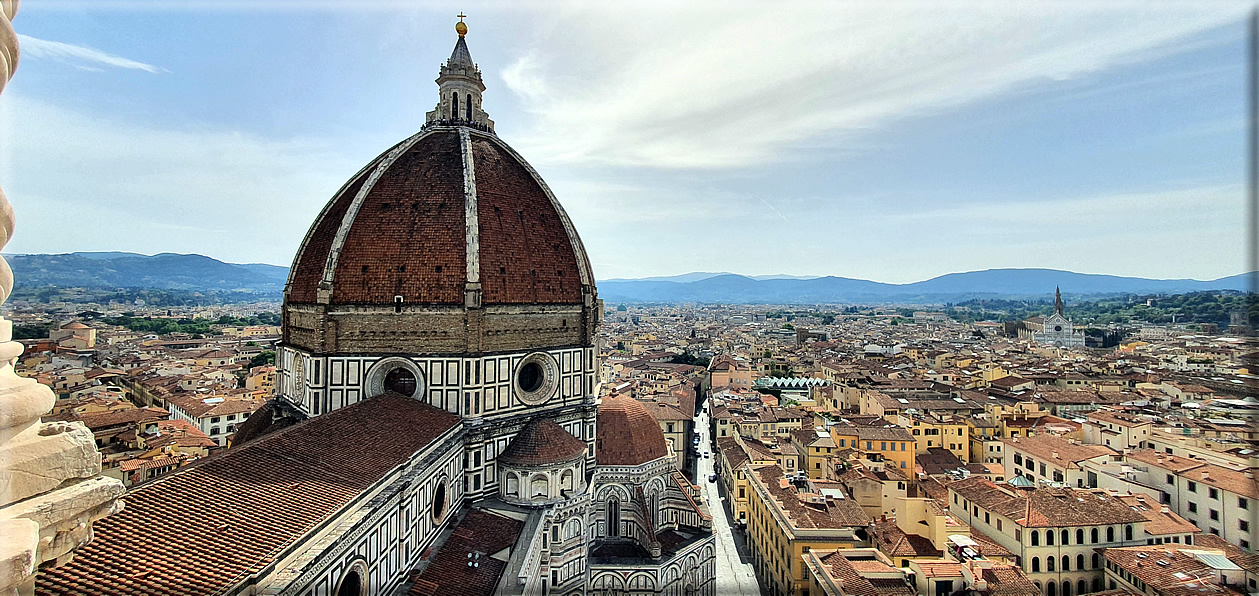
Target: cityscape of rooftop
point(460, 339)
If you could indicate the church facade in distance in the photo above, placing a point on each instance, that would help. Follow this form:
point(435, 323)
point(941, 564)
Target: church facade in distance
point(436, 427)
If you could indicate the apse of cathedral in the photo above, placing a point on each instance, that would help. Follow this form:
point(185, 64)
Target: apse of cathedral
point(436, 427)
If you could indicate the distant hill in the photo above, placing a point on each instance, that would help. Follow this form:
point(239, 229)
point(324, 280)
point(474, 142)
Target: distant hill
point(954, 287)
point(167, 271)
point(697, 276)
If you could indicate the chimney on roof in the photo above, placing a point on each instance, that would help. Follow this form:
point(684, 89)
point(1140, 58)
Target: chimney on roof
point(1055, 454)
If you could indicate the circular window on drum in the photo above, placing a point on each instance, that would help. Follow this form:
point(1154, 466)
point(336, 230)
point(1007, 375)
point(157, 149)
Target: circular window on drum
point(537, 377)
point(399, 375)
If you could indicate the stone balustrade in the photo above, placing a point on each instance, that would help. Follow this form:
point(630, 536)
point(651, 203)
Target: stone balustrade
point(51, 488)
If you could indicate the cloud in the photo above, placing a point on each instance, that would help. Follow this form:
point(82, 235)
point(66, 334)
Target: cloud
point(79, 55)
point(688, 86)
point(92, 182)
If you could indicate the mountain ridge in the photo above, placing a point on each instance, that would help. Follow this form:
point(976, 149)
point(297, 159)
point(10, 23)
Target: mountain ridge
point(201, 273)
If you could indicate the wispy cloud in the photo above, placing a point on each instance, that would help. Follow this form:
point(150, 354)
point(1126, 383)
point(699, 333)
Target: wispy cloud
point(686, 86)
point(80, 56)
point(222, 192)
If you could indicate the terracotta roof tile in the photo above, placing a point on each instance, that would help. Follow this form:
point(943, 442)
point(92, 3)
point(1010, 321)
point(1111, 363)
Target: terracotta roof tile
point(526, 254)
point(627, 435)
point(1046, 507)
point(541, 442)
point(205, 527)
point(408, 236)
point(479, 532)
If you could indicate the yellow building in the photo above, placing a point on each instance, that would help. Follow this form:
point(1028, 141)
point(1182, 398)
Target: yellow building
point(888, 443)
point(948, 432)
point(892, 444)
point(735, 462)
point(819, 456)
point(261, 378)
point(787, 517)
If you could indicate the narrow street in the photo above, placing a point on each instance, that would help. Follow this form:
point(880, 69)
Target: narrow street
point(734, 570)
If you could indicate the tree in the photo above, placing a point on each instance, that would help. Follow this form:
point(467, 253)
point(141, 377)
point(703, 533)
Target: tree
point(690, 359)
point(263, 358)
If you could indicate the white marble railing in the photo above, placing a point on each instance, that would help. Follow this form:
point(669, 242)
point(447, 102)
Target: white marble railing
point(51, 488)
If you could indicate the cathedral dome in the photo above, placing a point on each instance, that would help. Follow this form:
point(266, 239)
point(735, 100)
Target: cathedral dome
point(542, 442)
point(449, 242)
point(447, 207)
point(626, 434)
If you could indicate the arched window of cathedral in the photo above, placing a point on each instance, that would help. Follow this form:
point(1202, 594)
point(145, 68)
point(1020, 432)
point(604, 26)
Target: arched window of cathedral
point(354, 581)
point(539, 487)
point(513, 485)
point(467, 106)
point(572, 529)
point(454, 105)
point(613, 517)
point(566, 480)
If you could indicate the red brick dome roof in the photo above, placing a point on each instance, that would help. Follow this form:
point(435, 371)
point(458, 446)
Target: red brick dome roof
point(542, 442)
point(449, 210)
point(627, 434)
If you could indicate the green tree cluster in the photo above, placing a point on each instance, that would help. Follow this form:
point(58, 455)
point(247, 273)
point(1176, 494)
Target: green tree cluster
point(263, 358)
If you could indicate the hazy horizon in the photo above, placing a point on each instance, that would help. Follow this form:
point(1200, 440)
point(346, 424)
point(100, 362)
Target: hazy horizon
point(893, 143)
point(692, 273)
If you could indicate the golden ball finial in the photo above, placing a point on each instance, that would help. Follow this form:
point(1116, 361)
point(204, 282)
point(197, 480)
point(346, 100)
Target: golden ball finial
point(461, 28)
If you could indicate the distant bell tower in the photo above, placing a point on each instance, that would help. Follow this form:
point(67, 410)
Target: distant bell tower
point(1058, 301)
point(459, 88)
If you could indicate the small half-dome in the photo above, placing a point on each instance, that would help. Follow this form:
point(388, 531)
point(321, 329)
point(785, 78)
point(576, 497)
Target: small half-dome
point(627, 434)
point(542, 443)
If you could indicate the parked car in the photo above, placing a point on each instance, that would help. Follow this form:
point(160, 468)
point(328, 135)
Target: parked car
point(705, 454)
point(712, 477)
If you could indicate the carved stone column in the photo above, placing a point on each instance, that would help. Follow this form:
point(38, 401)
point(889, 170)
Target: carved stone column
point(51, 488)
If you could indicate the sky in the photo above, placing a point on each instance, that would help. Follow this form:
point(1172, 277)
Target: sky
point(886, 141)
